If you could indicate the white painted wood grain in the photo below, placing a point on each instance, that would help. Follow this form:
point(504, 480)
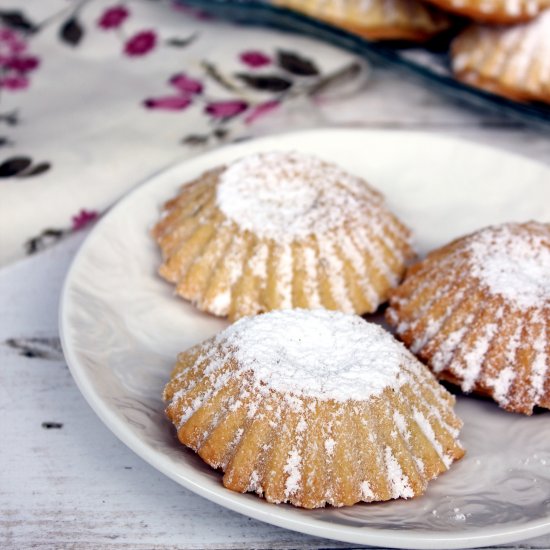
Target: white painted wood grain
point(78, 486)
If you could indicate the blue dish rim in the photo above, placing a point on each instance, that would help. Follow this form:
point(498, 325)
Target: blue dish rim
point(257, 13)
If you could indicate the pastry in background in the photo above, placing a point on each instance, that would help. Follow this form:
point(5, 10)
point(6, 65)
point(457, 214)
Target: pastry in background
point(377, 19)
point(313, 407)
point(279, 230)
point(513, 62)
point(477, 312)
point(495, 12)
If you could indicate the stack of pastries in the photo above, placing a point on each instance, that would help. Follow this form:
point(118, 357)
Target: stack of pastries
point(501, 46)
point(411, 20)
point(302, 401)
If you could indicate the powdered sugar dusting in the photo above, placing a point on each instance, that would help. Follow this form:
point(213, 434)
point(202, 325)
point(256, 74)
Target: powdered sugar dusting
point(318, 353)
point(428, 431)
point(541, 361)
point(399, 482)
point(501, 384)
point(278, 232)
point(258, 262)
point(294, 383)
point(329, 446)
point(310, 281)
point(293, 469)
point(489, 332)
point(473, 359)
point(335, 275)
point(366, 491)
point(443, 355)
point(255, 484)
point(514, 263)
point(287, 196)
point(419, 464)
point(401, 424)
point(284, 275)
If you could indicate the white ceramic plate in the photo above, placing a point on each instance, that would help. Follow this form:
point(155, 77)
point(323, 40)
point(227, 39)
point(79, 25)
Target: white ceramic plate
point(121, 329)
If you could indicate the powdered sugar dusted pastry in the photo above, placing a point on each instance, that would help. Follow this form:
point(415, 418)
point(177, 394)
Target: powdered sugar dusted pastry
point(313, 407)
point(477, 311)
point(280, 230)
point(513, 62)
point(503, 12)
point(377, 19)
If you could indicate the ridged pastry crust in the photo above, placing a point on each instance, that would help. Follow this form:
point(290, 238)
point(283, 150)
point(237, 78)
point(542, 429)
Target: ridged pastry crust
point(494, 12)
point(281, 230)
point(377, 19)
point(477, 311)
point(513, 62)
point(313, 408)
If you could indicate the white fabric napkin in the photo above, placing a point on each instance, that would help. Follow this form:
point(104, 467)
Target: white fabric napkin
point(97, 95)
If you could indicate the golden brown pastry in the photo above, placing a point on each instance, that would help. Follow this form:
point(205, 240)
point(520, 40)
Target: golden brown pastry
point(494, 12)
point(279, 230)
point(377, 19)
point(313, 407)
point(513, 62)
point(477, 312)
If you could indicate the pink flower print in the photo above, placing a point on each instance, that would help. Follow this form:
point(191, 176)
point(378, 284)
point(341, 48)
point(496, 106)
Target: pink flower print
point(11, 45)
point(83, 218)
point(22, 64)
point(113, 17)
point(7, 35)
point(261, 110)
point(11, 41)
point(140, 44)
point(169, 103)
point(186, 84)
point(255, 59)
point(226, 109)
point(14, 65)
point(14, 83)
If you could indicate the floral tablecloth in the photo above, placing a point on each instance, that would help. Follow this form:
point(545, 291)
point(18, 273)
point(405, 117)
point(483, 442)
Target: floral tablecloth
point(96, 95)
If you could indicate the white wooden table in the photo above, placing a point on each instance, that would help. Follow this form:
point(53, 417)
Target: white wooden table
point(65, 480)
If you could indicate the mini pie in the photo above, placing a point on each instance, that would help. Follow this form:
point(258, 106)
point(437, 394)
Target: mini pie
point(377, 19)
point(500, 12)
point(477, 312)
point(280, 230)
point(313, 407)
point(513, 62)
